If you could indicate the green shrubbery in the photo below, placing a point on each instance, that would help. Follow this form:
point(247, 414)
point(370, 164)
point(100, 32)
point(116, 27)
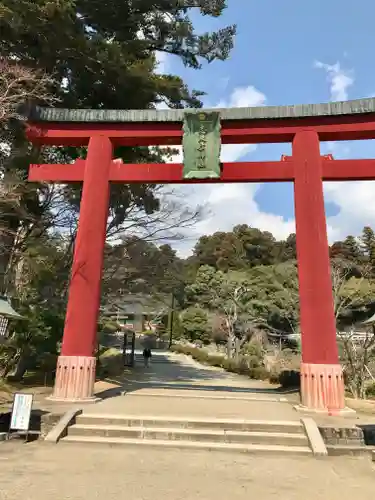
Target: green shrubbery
point(285, 369)
point(244, 365)
point(110, 363)
point(249, 364)
point(194, 325)
point(216, 360)
point(370, 391)
point(32, 344)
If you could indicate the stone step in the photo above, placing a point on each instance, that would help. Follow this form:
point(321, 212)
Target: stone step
point(290, 427)
point(337, 450)
point(178, 434)
point(190, 445)
point(207, 395)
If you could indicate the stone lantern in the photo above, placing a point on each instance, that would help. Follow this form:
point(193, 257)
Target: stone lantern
point(7, 313)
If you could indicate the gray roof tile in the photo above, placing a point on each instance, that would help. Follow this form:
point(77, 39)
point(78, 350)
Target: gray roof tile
point(358, 106)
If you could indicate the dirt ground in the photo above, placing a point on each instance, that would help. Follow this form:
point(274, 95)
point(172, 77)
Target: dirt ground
point(41, 471)
point(69, 472)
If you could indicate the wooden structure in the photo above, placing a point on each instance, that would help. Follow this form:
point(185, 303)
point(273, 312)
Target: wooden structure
point(305, 126)
point(7, 313)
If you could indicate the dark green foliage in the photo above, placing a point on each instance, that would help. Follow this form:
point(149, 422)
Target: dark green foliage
point(263, 296)
point(368, 247)
point(263, 271)
point(242, 248)
point(99, 55)
point(110, 363)
point(370, 391)
point(139, 266)
point(194, 323)
point(38, 334)
point(254, 353)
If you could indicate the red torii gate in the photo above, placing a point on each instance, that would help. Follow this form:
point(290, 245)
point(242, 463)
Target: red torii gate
point(322, 386)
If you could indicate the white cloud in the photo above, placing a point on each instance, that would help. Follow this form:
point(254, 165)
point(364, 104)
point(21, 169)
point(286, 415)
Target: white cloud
point(241, 97)
point(339, 80)
point(354, 199)
point(356, 207)
point(231, 204)
point(228, 205)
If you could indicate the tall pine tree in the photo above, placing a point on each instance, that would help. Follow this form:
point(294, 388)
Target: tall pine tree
point(104, 55)
point(368, 246)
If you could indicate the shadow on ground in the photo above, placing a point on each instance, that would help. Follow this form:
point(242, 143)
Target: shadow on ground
point(35, 426)
point(166, 372)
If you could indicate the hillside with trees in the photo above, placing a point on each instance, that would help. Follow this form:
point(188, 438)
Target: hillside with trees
point(245, 276)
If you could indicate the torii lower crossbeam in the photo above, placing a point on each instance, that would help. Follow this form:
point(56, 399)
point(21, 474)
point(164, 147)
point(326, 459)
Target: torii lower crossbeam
point(171, 173)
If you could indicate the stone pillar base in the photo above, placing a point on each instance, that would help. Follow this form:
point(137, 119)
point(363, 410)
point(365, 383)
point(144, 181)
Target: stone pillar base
point(344, 412)
point(75, 379)
point(322, 388)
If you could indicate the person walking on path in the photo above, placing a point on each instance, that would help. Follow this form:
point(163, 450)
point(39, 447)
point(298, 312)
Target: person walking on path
point(147, 356)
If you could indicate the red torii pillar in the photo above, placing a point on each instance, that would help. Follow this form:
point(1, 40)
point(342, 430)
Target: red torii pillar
point(321, 374)
point(75, 372)
point(322, 384)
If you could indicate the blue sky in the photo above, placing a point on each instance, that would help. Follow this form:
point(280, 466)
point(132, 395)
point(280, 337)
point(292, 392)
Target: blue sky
point(287, 52)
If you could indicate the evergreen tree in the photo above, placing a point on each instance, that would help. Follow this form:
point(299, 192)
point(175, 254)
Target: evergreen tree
point(368, 245)
point(352, 248)
point(102, 55)
point(258, 245)
point(338, 250)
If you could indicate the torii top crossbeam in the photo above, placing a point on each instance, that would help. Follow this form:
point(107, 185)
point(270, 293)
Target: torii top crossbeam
point(335, 121)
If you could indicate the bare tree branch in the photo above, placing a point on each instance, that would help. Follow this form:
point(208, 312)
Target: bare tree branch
point(20, 85)
point(348, 290)
point(356, 358)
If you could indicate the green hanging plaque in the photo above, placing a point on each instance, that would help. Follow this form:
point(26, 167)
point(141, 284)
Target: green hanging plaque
point(201, 145)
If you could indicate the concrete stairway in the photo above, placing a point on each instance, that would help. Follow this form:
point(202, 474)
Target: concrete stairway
point(190, 433)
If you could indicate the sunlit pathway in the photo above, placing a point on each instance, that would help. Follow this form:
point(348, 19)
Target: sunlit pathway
point(176, 385)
